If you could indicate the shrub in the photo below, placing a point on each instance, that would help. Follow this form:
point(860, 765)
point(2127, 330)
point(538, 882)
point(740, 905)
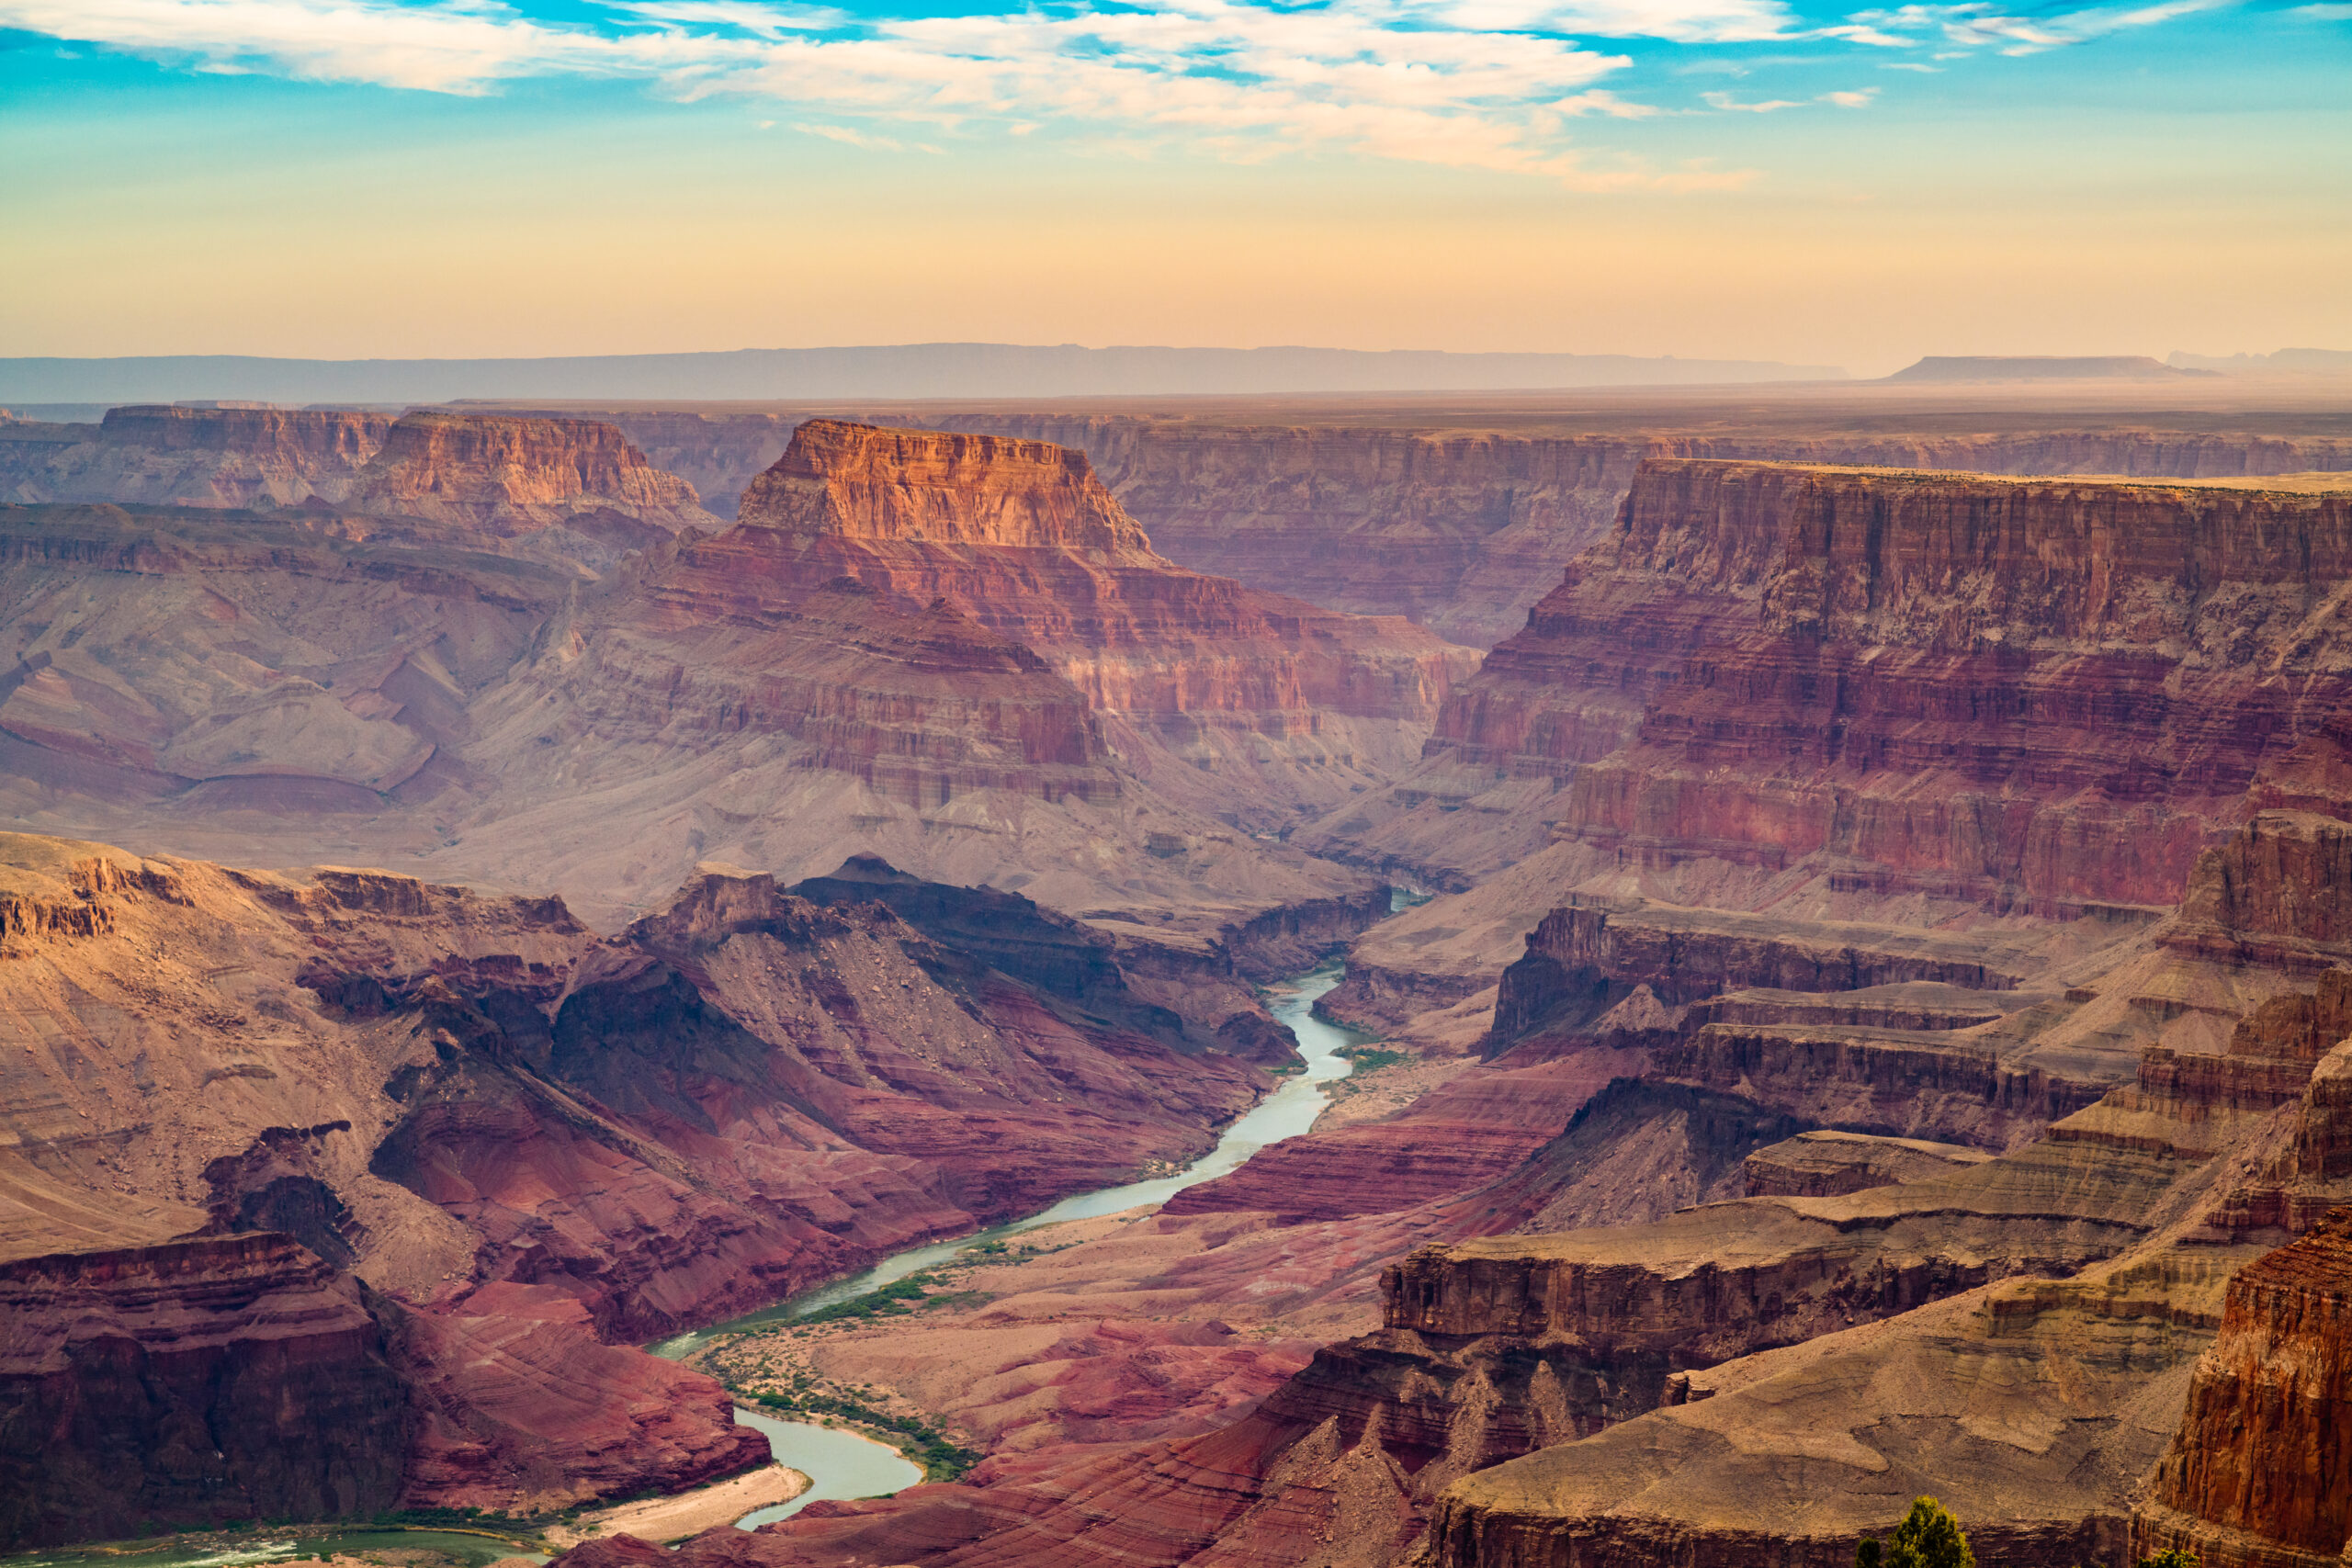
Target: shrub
point(1927, 1537)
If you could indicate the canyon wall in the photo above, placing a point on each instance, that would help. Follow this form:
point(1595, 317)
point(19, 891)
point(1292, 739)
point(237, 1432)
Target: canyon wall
point(381, 1178)
point(513, 475)
point(145, 1388)
point(1022, 537)
point(2260, 1473)
point(482, 472)
point(2007, 693)
point(219, 457)
point(1460, 530)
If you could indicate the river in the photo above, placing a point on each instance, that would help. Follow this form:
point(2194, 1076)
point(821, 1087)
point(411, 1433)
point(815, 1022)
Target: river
point(842, 1464)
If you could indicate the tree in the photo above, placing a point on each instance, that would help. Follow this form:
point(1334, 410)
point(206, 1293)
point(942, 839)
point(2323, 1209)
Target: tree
point(1930, 1538)
point(2171, 1557)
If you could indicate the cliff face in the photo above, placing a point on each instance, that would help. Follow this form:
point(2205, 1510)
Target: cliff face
point(2260, 1471)
point(871, 483)
point(1022, 537)
point(220, 458)
point(527, 1142)
point(484, 473)
point(188, 1382)
point(1460, 530)
point(513, 475)
point(2010, 693)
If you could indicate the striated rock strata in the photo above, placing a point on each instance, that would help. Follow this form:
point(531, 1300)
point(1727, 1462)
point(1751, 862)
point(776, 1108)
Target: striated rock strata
point(445, 1155)
point(2260, 1471)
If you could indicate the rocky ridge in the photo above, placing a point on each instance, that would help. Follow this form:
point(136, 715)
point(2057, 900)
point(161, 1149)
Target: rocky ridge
point(1459, 529)
point(363, 1141)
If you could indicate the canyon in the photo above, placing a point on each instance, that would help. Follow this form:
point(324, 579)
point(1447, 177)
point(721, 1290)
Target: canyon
point(1457, 515)
point(284, 1148)
point(1869, 1017)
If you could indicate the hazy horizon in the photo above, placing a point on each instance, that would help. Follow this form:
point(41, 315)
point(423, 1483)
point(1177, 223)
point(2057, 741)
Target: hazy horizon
point(1733, 179)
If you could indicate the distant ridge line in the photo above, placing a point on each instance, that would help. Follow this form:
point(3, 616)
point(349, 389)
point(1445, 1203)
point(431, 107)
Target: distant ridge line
point(908, 370)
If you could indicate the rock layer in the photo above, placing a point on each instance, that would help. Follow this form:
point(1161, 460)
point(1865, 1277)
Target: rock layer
point(2260, 1471)
point(505, 1143)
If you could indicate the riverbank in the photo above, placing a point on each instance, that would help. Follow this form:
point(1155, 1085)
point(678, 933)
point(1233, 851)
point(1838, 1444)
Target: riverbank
point(664, 1519)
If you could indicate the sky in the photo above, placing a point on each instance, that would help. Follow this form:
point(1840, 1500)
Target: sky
point(1773, 179)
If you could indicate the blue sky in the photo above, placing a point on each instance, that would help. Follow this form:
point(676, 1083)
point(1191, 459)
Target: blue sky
point(1693, 177)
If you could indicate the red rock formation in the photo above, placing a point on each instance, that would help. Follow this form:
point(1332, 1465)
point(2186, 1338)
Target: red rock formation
point(1461, 529)
point(235, 1377)
point(2015, 694)
point(514, 1406)
point(1041, 553)
point(510, 475)
point(2260, 1473)
point(869, 483)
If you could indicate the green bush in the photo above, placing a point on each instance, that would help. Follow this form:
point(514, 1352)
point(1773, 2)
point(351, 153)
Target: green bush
point(2171, 1557)
point(1930, 1537)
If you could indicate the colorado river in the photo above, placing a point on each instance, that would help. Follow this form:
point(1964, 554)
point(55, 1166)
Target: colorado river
point(841, 1464)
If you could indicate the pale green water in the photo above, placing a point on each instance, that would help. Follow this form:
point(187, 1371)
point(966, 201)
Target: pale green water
point(837, 1464)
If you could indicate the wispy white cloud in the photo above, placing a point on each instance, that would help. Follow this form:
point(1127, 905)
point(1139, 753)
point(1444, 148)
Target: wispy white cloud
point(1986, 24)
point(1599, 100)
point(1859, 99)
point(1477, 84)
point(1240, 76)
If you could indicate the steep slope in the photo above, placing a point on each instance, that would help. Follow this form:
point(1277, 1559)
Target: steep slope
point(493, 474)
point(1023, 538)
point(510, 476)
point(304, 1144)
point(257, 459)
point(1458, 515)
point(1837, 693)
point(2261, 1469)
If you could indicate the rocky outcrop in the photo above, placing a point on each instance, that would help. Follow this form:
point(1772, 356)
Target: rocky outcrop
point(1021, 537)
point(507, 475)
point(871, 483)
point(1825, 1164)
point(1460, 528)
point(1587, 957)
point(255, 457)
point(490, 473)
point(188, 1383)
point(2260, 1471)
point(514, 1406)
point(2016, 695)
point(2026, 1408)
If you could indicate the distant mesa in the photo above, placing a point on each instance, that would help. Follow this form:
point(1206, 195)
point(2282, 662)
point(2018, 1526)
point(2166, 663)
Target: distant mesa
point(2292, 361)
point(2043, 368)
